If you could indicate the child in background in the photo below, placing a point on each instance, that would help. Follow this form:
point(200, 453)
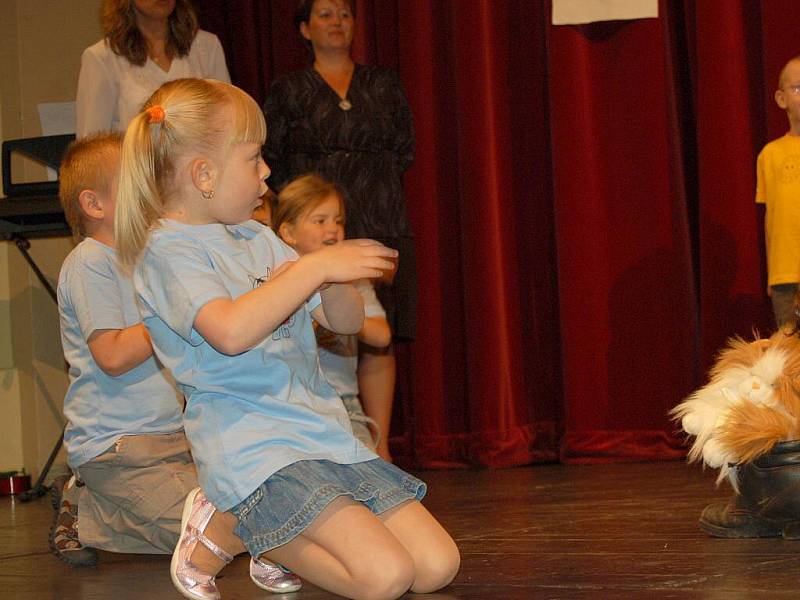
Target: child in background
point(228, 307)
point(310, 215)
point(778, 186)
point(124, 435)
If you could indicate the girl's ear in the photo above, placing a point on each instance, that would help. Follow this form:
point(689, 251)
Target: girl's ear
point(204, 174)
point(91, 204)
point(285, 232)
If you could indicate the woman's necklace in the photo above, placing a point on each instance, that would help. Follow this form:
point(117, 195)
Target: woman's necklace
point(344, 103)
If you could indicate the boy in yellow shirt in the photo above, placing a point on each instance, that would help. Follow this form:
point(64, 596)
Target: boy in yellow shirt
point(778, 187)
point(764, 505)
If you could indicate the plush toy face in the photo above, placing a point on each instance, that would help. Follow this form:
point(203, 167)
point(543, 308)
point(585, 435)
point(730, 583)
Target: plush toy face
point(755, 389)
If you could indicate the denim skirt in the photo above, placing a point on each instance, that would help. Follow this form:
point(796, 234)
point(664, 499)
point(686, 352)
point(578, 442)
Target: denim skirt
point(290, 499)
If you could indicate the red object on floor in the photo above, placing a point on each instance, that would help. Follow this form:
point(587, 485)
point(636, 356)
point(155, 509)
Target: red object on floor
point(16, 484)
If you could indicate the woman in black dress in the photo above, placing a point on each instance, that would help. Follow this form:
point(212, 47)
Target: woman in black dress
point(351, 124)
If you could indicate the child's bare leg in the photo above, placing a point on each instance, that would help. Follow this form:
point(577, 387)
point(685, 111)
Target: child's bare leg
point(377, 372)
point(350, 552)
point(435, 554)
point(220, 531)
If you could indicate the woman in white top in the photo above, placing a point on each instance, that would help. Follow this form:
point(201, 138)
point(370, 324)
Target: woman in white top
point(145, 43)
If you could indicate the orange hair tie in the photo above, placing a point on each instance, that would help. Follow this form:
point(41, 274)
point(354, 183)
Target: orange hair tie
point(155, 114)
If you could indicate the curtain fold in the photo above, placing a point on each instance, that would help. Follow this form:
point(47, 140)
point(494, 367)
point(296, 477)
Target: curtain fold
point(621, 239)
point(582, 201)
point(729, 136)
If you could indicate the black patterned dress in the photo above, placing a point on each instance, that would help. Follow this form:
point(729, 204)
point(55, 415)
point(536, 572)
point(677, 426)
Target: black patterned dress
point(364, 145)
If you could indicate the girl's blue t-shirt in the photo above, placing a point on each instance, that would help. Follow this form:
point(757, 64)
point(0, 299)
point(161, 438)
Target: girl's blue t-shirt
point(248, 415)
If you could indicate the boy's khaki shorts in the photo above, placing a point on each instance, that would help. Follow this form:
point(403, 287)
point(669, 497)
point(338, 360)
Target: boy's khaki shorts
point(783, 302)
point(133, 495)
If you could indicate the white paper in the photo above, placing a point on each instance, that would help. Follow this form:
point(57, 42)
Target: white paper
point(579, 12)
point(56, 118)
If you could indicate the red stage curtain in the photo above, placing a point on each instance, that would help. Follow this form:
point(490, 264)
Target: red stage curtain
point(582, 199)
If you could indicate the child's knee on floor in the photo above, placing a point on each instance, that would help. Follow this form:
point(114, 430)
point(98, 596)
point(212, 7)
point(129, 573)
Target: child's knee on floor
point(437, 569)
point(385, 579)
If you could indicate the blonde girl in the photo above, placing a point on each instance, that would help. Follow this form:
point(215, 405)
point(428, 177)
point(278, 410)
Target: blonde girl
point(308, 215)
point(228, 307)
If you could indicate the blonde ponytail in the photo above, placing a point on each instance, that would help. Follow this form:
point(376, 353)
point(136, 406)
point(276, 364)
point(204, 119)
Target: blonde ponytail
point(138, 199)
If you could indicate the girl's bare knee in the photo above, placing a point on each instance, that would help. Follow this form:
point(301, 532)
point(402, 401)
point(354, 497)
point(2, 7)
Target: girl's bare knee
point(437, 571)
point(386, 580)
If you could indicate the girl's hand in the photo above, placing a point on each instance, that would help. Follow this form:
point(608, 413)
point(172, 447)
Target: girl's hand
point(353, 259)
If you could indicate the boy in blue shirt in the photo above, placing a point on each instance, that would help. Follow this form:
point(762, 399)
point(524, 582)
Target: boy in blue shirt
point(124, 436)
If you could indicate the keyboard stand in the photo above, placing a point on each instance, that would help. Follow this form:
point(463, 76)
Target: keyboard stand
point(34, 217)
point(30, 211)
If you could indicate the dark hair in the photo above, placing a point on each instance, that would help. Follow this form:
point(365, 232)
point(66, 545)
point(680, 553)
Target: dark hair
point(302, 14)
point(118, 21)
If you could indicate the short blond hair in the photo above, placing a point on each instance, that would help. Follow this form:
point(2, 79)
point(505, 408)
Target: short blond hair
point(301, 196)
point(192, 115)
point(782, 76)
point(87, 165)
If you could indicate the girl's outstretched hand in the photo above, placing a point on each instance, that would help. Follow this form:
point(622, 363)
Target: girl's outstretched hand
point(353, 259)
point(228, 324)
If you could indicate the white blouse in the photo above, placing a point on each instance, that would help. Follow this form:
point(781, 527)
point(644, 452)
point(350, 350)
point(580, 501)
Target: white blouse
point(111, 90)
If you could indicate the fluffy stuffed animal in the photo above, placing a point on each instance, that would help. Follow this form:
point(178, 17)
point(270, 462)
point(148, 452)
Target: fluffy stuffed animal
point(751, 402)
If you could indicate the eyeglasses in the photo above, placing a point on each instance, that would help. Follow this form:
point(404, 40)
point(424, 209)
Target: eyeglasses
point(795, 89)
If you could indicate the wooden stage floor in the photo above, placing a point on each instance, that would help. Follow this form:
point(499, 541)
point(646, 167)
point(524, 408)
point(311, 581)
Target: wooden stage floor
point(550, 531)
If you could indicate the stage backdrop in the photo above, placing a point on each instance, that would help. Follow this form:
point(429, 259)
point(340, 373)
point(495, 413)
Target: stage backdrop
point(582, 199)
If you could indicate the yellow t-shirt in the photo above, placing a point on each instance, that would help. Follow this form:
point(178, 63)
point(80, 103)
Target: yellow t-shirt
point(778, 186)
